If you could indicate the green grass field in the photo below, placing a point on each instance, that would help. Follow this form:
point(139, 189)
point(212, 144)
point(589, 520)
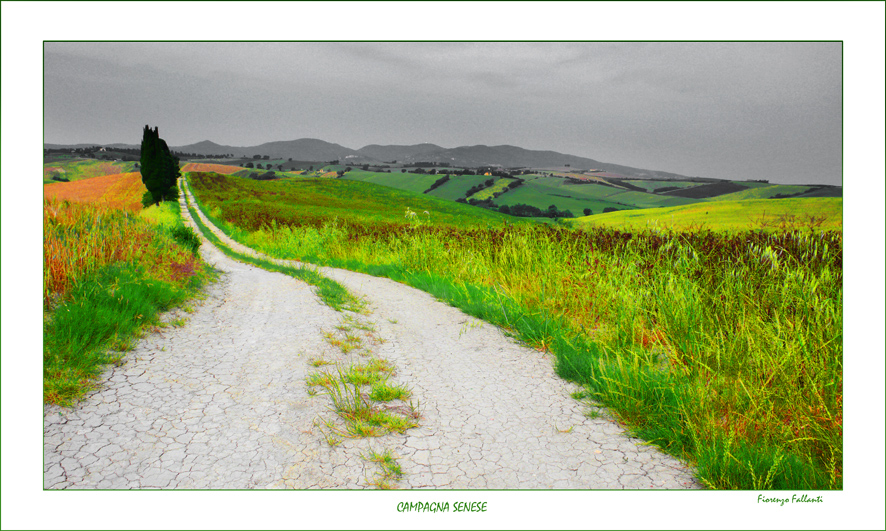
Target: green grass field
point(245, 172)
point(652, 186)
point(751, 184)
point(77, 169)
point(458, 185)
point(403, 181)
point(319, 201)
point(498, 186)
point(542, 191)
point(761, 192)
point(768, 214)
point(722, 348)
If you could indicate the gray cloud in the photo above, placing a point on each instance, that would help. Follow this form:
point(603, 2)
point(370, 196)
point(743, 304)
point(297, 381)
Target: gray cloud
point(728, 110)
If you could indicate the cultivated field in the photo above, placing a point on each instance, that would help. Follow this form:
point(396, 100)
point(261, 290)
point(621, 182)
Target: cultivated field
point(122, 190)
point(217, 168)
point(769, 215)
point(76, 169)
point(320, 201)
point(403, 181)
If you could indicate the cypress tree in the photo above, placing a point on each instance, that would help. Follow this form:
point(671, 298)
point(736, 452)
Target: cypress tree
point(159, 168)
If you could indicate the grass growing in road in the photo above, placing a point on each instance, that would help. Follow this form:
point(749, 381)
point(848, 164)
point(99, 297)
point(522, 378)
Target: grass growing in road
point(360, 391)
point(384, 391)
point(722, 348)
point(389, 469)
point(361, 415)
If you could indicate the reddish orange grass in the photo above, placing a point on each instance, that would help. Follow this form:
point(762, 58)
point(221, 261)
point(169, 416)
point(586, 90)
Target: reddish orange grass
point(81, 237)
point(217, 168)
point(121, 190)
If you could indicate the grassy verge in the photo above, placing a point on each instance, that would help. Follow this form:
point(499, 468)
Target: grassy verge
point(330, 292)
point(107, 276)
point(723, 349)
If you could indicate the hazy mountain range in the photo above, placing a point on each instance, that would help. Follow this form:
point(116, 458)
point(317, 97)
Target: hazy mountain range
point(310, 149)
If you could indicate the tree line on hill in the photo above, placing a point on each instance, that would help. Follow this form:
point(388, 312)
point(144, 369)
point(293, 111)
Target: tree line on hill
point(528, 211)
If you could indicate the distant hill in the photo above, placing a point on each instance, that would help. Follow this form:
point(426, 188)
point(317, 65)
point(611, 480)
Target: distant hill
point(414, 153)
point(505, 156)
point(302, 149)
point(70, 146)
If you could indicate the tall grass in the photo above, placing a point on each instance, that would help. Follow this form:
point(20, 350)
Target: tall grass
point(107, 275)
point(725, 350)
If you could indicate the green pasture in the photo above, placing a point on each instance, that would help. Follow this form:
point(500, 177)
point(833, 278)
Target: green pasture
point(826, 192)
point(77, 169)
point(410, 182)
point(529, 195)
point(458, 185)
point(498, 186)
point(768, 214)
point(751, 184)
point(251, 203)
point(599, 192)
point(761, 192)
point(652, 186)
point(245, 172)
point(545, 191)
point(642, 200)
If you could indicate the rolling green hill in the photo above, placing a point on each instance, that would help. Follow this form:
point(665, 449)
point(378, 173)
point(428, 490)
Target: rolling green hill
point(541, 192)
point(317, 201)
point(457, 186)
point(410, 182)
point(769, 214)
point(762, 192)
point(498, 186)
point(76, 169)
point(652, 186)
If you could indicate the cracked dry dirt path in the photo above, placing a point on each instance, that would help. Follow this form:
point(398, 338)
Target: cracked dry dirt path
point(222, 402)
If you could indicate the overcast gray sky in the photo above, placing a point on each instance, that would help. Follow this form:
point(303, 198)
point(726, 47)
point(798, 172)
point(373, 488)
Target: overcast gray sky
point(724, 110)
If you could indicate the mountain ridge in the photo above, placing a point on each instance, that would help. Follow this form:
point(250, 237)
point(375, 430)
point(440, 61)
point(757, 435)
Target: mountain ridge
point(504, 155)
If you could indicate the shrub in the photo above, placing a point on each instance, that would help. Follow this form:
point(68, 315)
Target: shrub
point(172, 194)
point(186, 237)
point(148, 199)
